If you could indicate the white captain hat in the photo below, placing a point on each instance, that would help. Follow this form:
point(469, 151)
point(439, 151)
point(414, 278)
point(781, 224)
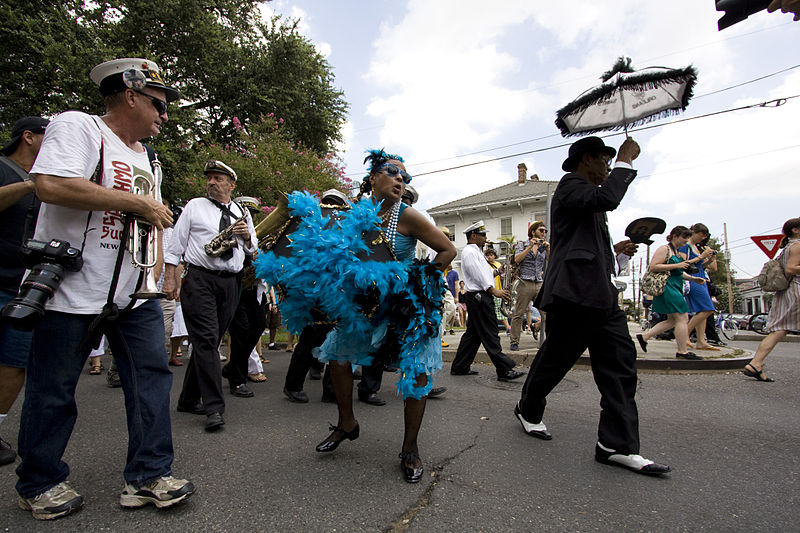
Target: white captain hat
point(130, 72)
point(477, 227)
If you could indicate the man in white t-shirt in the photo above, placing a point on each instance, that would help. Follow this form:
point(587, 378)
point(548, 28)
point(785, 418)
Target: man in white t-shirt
point(84, 175)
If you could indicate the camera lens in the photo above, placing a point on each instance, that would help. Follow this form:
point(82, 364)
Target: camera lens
point(27, 308)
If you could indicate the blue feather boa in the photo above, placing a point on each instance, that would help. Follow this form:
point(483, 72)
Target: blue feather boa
point(324, 273)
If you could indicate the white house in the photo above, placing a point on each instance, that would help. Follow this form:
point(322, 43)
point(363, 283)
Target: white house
point(507, 211)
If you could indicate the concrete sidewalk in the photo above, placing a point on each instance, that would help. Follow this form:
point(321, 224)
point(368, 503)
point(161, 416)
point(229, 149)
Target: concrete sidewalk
point(660, 355)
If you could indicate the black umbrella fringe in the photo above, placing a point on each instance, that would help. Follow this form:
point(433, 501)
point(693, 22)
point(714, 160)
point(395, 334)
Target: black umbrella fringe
point(637, 82)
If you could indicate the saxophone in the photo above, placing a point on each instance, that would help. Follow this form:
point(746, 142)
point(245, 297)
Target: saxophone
point(224, 240)
point(510, 284)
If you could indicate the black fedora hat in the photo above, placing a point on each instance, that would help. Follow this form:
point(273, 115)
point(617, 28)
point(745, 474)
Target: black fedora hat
point(640, 230)
point(587, 145)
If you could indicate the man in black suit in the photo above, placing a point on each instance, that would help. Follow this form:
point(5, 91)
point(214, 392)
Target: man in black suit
point(581, 303)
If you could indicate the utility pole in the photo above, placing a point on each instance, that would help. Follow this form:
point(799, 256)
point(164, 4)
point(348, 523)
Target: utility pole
point(633, 286)
point(639, 296)
point(728, 268)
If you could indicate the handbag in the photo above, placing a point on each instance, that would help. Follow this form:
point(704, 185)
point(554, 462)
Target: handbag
point(772, 277)
point(654, 283)
point(713, 290)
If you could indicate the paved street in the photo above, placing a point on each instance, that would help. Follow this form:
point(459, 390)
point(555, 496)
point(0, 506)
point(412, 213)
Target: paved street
point(732, 443)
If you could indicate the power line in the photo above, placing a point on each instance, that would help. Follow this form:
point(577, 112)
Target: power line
point(747, 82)
point(477, 152)
point(777, 102)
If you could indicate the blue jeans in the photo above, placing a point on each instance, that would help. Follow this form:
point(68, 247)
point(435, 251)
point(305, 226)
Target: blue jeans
point(15, 345)
point(49, 412)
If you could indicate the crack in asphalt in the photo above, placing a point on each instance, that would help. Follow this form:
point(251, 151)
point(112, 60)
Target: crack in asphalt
point(403, 522)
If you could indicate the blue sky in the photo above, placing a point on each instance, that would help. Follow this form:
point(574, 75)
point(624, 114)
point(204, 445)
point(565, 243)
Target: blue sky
point(447, 82)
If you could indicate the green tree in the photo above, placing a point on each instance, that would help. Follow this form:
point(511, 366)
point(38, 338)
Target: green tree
point(226, 60)
point(266, 161)
point(720, 279)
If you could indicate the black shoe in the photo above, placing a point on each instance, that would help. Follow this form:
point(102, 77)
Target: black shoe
point(514, 347)
point(112, 379)
point(273, 346)
point(467, 373)
point(332, 442)
point(452, 332)
point(372, 399)
point(511, 374)
point(436, 391)
point(7, 453)
point(241, 391)
point(196, 409)
point(390, 368)
point(412, 473)
point(634, 463)
point(689, 356)
point(296, 396)
point(214, 421)
point(314, 374)
point(225, 373)
point(642, 342)
point(328, 398)
point(538, 430)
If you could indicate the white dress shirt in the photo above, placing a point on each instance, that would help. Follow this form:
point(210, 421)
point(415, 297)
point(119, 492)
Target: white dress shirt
point(477, 273)
point(196, 227)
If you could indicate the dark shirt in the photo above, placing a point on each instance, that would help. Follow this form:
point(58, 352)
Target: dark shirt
point(12, 225)
point(452, 277)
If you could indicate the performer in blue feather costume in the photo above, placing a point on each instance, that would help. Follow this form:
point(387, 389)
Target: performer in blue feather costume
point(378, 307)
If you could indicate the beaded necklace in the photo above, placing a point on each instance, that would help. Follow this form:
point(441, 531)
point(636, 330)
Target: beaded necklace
point(392, 215)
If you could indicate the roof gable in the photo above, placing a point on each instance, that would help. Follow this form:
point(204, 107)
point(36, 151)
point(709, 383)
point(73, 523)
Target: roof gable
point(510, 192)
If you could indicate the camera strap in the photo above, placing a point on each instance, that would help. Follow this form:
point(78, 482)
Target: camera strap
point(27, 229)
point(110, 311)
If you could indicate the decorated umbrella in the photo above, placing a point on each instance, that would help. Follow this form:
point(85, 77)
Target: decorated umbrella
point(628, 98)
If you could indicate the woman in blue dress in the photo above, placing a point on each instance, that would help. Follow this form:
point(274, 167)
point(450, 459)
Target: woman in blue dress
point(671, 302)
point(699, 299)
point(403, 226)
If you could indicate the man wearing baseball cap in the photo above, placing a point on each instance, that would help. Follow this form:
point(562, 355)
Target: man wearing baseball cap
point(19, 208)
point(84, 175)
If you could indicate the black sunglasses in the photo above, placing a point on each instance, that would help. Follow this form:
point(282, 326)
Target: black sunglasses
point(393, 170)
point(158, 103)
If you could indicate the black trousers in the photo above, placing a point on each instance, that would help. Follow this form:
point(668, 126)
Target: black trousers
point(481, 329)
point(208, 303)
point(246, 328)
point(571, 329)
point(302, 360)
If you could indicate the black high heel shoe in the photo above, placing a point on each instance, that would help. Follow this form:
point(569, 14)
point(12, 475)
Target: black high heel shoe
point(330, 444)
point(412, 474)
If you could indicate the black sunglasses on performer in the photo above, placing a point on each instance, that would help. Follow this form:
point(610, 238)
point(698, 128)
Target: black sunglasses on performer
point(393, 170)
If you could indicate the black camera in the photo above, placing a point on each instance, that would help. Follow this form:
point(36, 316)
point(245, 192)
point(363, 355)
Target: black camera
point(692, 269)
point(48, 263)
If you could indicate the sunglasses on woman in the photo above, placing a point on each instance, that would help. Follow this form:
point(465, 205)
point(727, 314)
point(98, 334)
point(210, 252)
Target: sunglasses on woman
point(393, 170)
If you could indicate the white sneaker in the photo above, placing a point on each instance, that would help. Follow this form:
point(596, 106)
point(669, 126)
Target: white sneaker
point(53, 503)
point(163, 492)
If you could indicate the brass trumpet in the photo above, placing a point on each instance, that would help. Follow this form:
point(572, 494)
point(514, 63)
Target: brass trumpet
point(142, 240)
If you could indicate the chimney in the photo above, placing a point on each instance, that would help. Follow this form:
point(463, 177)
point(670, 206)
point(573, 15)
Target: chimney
point(522, 171)
point(535, 177)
